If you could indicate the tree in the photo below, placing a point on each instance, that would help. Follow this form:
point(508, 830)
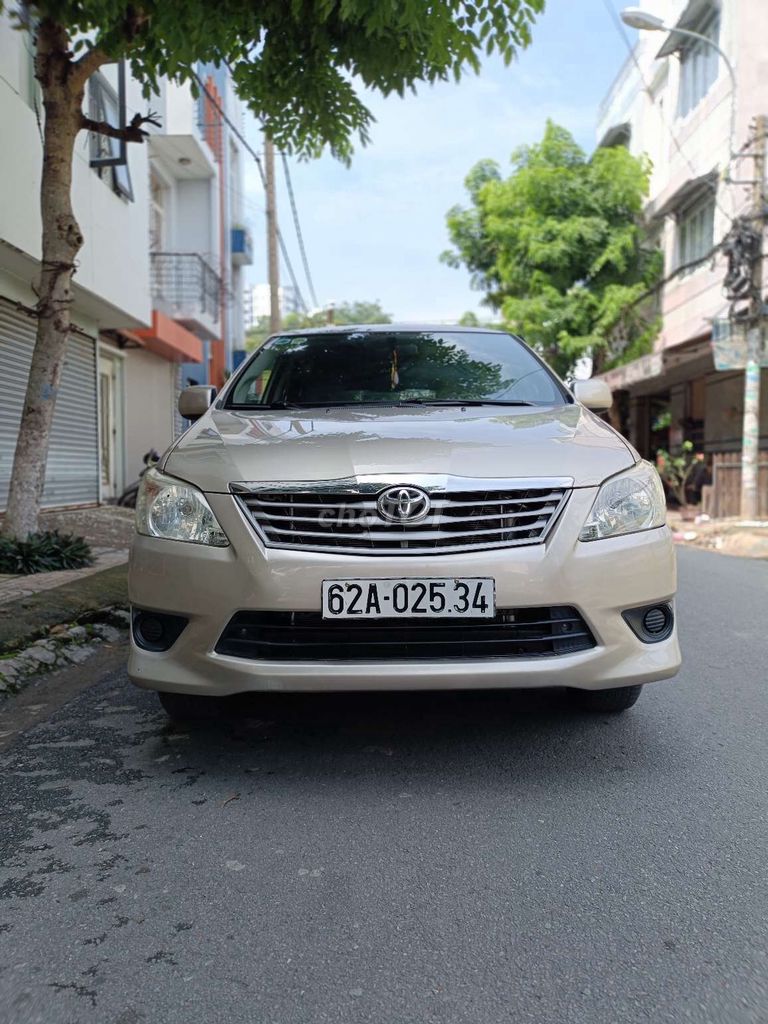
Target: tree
point(361, 313)
point(344, 313)
point(558, 248)
point(256, 335)
point(293, 63)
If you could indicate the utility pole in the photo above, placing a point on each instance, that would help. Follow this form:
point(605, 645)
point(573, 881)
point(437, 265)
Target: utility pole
point(750, 454)
point(273, 267)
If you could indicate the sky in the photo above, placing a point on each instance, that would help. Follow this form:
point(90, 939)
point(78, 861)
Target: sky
point(375, 230)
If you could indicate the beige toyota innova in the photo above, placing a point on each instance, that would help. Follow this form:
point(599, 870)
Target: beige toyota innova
point(383, 508)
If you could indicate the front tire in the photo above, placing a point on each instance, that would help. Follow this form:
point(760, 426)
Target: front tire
point(610, 701)
point(186, 708)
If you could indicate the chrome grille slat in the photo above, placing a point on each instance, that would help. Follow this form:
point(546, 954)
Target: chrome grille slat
point(553, 496)
point(353, 501)
point(366, 549)
point(395, 537)
point(373, 520)
point(465, 515)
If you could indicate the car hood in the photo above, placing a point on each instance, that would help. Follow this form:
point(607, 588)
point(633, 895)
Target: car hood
point(227, 446)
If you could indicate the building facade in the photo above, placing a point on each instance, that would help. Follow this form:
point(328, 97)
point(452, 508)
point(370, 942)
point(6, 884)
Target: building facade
point(157, 297)
point(673, 101)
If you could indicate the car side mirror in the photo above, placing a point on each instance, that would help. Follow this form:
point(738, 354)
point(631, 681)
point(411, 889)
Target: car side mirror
point(196, 400)
point(595, 394)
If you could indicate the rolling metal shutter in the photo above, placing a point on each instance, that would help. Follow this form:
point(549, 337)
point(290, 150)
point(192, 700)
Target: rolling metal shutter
point(72, 475)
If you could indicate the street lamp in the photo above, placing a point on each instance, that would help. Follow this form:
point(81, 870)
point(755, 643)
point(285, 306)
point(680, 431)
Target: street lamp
point(637, 18)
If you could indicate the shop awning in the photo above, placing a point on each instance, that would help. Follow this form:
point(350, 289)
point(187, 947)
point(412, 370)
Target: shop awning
point(684, 195)
point(644, 368)
point(658, 370)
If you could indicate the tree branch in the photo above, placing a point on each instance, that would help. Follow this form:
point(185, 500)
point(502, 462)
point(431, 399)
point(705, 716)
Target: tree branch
point(85, 66)
point(133, 132)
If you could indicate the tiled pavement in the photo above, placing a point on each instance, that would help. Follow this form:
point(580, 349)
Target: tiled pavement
point(14, 587)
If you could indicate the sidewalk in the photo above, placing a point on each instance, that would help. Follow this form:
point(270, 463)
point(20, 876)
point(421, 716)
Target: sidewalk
point(726, 536)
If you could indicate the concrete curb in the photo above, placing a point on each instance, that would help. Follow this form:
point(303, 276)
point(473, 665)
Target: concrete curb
point(61, 626)
point(63, 646)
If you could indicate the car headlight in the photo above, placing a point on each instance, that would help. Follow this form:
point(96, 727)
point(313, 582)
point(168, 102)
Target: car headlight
point(627, 503)
point(174, 510)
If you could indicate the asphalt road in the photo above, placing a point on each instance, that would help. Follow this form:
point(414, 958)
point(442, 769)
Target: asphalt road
point(449, 858)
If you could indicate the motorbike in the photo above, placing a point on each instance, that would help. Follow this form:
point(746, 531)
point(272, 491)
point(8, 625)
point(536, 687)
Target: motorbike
point(128, 498)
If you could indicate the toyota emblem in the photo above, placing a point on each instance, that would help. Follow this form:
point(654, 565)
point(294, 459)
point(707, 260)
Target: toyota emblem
point(403, 504)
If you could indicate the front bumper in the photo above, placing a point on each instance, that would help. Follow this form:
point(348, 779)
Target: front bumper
point(208, 585)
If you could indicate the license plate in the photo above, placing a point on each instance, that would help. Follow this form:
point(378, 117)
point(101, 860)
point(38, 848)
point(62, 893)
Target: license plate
point(427, 597)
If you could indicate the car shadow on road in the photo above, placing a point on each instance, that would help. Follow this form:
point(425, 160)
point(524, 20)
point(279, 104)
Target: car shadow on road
point(426, 734)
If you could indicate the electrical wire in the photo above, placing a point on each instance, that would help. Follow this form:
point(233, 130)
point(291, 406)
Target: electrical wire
point(619, 25)
point(252, 152)
point(297, 225)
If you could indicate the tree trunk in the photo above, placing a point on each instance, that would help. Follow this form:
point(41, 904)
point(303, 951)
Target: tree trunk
point(62, 101)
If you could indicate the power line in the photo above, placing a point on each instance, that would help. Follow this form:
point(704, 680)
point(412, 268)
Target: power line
point(252, 152)
point(298, 230)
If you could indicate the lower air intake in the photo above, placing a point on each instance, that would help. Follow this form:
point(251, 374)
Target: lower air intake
point(306, 636)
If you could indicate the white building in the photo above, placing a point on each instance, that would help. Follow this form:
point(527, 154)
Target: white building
point(257, 303)
point(672, 100)
point(157, 293)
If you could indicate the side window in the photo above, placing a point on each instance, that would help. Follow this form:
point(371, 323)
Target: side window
point(698, 65)
point(696, 231)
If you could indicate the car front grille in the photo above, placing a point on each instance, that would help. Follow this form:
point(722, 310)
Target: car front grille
point(465, 515)
point(306, 636)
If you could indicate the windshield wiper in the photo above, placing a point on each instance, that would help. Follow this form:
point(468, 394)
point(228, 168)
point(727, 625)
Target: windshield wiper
point(460, 401)
point(395, 403)
point(257, 406)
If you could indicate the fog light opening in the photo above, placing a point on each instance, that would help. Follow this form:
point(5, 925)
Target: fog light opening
point(655, 621)
point(651, 624)
point(151, 629)
point(156, 631)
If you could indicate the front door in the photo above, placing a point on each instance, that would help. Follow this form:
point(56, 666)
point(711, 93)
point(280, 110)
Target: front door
point(108, 424)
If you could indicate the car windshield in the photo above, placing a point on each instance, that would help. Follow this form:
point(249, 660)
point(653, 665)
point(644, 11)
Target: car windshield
point(393, 368)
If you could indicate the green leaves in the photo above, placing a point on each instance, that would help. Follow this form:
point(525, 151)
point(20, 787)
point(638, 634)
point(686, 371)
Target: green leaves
point(298, 63)
point(557, 248)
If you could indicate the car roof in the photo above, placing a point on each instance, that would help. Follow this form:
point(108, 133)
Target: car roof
point(389, 329)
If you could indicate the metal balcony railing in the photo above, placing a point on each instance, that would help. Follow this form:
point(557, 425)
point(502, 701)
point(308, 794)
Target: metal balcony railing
point(186, 285)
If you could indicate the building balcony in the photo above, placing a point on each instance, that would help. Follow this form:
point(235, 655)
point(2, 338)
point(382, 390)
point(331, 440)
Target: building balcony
point(241, 247)
point(187, 289)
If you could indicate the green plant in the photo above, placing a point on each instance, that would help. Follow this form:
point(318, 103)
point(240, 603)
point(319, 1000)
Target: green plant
point(675, 470)
point(663, 421)
point(44, 552)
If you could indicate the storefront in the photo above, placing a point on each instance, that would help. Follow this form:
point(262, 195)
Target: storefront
point(677, 395)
